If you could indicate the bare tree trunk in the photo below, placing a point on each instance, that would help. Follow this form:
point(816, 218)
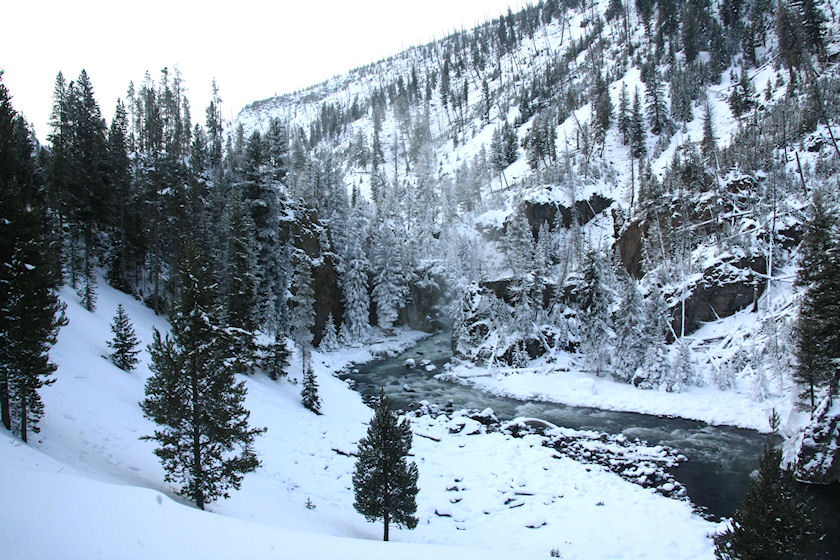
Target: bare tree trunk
point(196, 443)
point(23, 419)
point(4, 402)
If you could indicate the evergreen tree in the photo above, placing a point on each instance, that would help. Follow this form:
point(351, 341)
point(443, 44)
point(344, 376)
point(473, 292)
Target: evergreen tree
point(656, 366)
point(274, 357)
point(708, 145)
point(309, 393)
point(389, 285)
point(239, 283)
point(204, 440)
point(124, 342)
point(656, 110)
point(384, 482)
point(594, 300)
point(125, 238)
point(682, 373)
point(774, 520)
point(818, 324)
point(602, 108)
point(791, 37)
point(630, 343)
point(303, 308)
point(329, 339)
point(742, 98)
point(813, 25)
point(638, 132)
point(624, 117)
point(354, 283)
point(30, 311)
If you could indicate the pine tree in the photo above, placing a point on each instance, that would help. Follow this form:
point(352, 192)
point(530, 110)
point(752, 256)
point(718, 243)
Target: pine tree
point(708, 145)
point(204, 440)
point(30, 311)
point(774, 520)
point(602, 108)
point(309, 393)
point(813, 25)
point(818, 325)
point(656, 109)
point(384, 482)
point(624, 117)
point(329, 339)
point(239, 283)
point(303, 308)
point(124, 342)
point(354, 285)
point(125, 235)
point(594, 301)
point(682, 373)
point(630, 342)
point(274, 358)
point(638, 133)
point(389, 285)
point(656, 366)
point(87, 290)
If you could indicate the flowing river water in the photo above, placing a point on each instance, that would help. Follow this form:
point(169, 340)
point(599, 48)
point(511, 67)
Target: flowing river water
point(720, 458)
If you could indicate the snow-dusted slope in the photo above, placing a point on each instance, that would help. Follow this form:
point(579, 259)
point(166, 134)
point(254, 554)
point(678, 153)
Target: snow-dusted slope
point(87, 487)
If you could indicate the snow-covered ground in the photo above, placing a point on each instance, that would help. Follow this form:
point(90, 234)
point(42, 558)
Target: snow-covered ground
point(87, 487)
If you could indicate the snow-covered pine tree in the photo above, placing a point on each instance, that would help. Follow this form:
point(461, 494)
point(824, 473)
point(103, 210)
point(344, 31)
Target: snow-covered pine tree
point(329, 339)
point(204, 440)
point(384, 482)
point(655, 368)
point(389, 285)
point(354, 286)
point(630, 342)
point(124, 342)
point(239, 283)
point(683, 372)
point(29, 279)
point(594, 301)
point(303, 308)
point(309, 393)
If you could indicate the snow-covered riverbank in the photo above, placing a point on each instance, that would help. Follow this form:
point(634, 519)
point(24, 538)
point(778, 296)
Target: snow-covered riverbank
point(88, 487)
point(563, 381)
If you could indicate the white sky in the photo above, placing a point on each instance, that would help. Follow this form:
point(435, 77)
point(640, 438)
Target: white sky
point(254, 49)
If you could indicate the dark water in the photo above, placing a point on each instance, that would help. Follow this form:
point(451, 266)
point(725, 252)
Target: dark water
point(720, 458)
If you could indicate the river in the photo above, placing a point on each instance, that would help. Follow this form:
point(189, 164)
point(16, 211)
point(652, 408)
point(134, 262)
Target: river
point(720, 458)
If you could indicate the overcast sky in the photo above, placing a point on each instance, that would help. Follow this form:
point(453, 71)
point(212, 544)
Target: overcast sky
point(254, 49)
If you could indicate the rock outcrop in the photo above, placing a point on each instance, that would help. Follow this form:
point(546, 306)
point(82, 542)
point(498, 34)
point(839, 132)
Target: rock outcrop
point(301, 226)
point(725, 288)
point(539, 213)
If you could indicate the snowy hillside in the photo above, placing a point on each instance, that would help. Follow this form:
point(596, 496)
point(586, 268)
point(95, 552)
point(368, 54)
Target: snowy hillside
point(100, 491)
point(726, 270)
point(626, 206)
